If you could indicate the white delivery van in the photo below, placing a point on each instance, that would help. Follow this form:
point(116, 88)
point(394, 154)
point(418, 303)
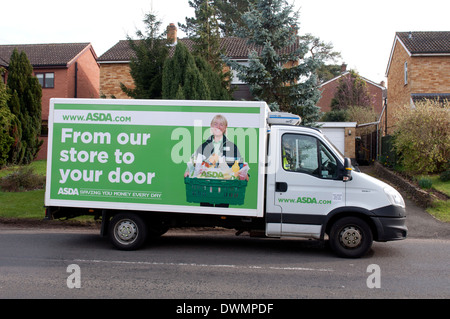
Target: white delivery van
point(145, 166)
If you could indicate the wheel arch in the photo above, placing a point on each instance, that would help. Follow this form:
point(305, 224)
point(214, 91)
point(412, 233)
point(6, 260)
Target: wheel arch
point(342, 212)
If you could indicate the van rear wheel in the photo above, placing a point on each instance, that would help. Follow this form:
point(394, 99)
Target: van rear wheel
point(127, 231)
point(350, 237)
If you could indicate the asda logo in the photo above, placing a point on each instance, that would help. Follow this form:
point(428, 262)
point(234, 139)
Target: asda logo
point(211, 175)
point(68, 191)
point(99, 117)
point(305, 200)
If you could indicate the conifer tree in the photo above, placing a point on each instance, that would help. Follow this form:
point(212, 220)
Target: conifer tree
point(7, 124)
point(150, 50)
point(204, 30)
point(213, 80)
point(272, 25)
point(25, 103)
point(229, 14)
point(182, 78)
point(6, 140)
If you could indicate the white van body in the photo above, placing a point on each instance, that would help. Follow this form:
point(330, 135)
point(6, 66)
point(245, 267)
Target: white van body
point(298, 185)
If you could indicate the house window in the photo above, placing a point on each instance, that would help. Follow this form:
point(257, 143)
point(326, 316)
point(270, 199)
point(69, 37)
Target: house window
point(46, 80)
point(44, 128)
point(406, 73)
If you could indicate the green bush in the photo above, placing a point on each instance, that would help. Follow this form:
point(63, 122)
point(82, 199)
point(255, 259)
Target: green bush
point(22, 179)
point(6, 141)
point(425, 183)
point(422, 137)
point(336, 116)
point(445, 176)
point(7, 121)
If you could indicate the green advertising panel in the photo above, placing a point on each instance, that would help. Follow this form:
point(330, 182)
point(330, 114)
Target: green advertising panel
point(156, 155)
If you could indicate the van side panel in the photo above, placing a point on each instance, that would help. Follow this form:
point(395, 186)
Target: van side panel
point(134, 155)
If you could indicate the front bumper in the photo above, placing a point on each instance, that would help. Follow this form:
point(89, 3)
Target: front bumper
point(390, 228)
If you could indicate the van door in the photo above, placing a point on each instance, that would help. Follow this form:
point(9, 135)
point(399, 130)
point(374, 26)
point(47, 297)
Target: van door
point(307, 184)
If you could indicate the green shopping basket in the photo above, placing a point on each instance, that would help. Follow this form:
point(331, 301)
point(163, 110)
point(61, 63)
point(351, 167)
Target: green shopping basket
point(215, 191)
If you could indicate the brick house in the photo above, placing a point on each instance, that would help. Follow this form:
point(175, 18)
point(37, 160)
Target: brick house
point(65, 70)
point(418, 67)
point(115, 69)
point(328, 90)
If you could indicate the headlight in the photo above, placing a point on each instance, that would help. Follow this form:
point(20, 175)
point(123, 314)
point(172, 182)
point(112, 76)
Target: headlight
point(394, 197)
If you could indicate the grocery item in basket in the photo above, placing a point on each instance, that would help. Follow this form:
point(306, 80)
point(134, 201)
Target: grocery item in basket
point(216, 167)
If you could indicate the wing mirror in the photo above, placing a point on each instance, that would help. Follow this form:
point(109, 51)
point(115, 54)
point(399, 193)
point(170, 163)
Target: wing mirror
point(347, 174)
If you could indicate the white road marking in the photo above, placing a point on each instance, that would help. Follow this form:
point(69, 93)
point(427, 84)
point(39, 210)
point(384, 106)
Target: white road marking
point(200, 265)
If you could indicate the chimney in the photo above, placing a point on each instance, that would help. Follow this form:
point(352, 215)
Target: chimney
point(172, 34)
point(343, 67)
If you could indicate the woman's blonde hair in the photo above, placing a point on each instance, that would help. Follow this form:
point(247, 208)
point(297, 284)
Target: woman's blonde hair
point(220, 118)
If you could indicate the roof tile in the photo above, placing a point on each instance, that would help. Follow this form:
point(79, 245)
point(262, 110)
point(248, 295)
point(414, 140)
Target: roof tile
point(54, 54)
point(430, 42)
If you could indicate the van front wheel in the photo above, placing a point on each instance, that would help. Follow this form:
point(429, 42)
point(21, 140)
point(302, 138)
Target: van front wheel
point(350, 237)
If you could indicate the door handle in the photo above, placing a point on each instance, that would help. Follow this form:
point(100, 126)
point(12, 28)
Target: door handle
point(281, 186)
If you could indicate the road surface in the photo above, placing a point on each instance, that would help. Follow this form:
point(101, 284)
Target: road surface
point(78, 263)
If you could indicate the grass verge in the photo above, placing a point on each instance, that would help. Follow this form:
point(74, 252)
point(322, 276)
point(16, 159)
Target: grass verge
point(440, 208)
point(29, 204)
point(22, 204)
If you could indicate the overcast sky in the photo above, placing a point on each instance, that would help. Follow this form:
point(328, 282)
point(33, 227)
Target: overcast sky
point(363, 33)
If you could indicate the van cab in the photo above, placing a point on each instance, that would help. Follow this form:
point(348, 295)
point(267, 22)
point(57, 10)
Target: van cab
point(313, 191)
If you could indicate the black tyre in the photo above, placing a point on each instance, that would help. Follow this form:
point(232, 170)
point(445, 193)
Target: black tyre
point(127, 231)
point(350, 237)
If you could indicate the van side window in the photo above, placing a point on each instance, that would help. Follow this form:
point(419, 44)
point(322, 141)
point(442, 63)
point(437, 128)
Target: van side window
point(299, 153)
point(328, 164)
point(306, 154)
